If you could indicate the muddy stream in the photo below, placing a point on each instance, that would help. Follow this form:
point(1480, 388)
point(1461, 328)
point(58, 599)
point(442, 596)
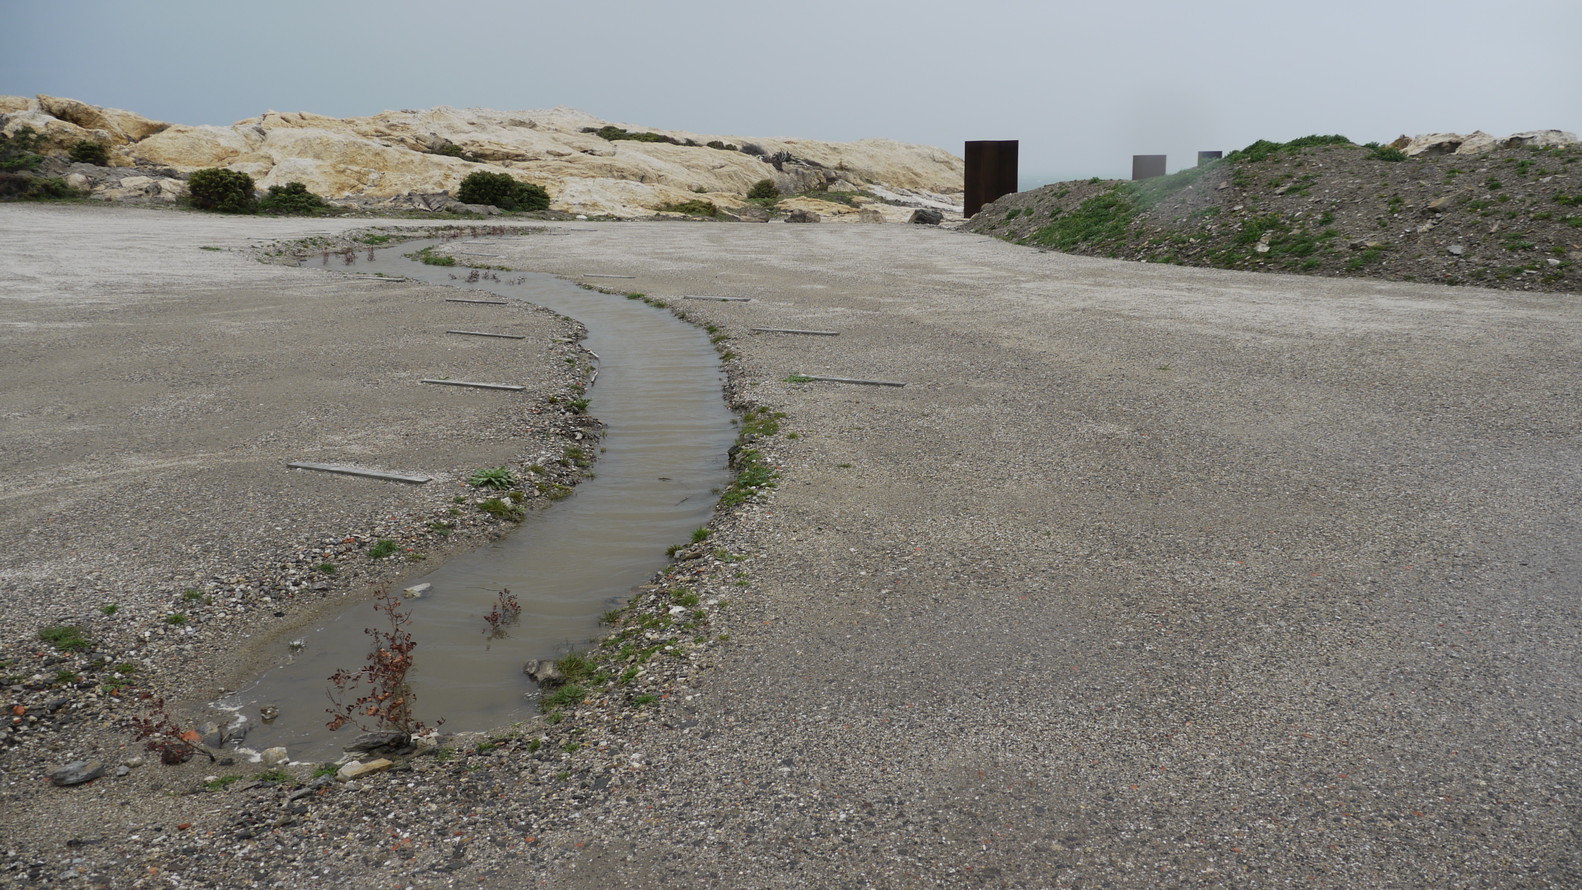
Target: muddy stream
point(659, 391)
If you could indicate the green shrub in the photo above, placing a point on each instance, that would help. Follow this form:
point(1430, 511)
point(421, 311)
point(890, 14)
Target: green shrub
point(293, 198)
point(21, 187)
point(1263, 148)
point(19, 151)
point(499, 478)
point(763, 190)
point(502, 190)
point(613, 133)
point(223, 191)
point(1377, 152)
point(86, 152)
point(694, 207)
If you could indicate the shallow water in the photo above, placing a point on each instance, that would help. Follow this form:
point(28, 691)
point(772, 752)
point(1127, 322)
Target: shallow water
point(659, 391)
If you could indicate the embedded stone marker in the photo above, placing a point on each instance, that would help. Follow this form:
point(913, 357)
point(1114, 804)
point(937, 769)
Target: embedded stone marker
point(855, 380)
point(479, 302)
point(991, 173)
point(348, 470)
point(1204, 157)
point(795, 331)
point(487, 334)
point(472, 384)
point(1147, 166)
point(718, 299)
point(369, 276)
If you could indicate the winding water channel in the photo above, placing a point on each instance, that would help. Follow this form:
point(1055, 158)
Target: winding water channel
point(659, 391)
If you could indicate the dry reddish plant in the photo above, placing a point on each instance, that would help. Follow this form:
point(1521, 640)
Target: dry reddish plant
point(377, 696)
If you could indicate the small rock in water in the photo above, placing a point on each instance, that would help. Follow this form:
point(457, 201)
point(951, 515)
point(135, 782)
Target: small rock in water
point(274, 756)
point(417, 591)
point(544, 672)
point(76, 772)
point(268, 713)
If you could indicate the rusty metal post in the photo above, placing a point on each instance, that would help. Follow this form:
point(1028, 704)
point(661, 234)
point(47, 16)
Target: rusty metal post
point(991, 173)
point(1203, 157)
point(1147, 166)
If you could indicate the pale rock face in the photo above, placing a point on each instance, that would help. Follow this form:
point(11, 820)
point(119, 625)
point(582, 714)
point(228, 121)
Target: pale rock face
point(1539, 139)
point(1478, 142)
point(394, 154)
point(55, 131)
point(194, 148)
point(123, 126)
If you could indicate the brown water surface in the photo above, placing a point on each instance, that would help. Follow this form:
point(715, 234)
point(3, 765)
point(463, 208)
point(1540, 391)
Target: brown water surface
point(659, 391)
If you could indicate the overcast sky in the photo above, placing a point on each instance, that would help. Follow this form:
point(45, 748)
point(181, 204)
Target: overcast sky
point(1083, 86)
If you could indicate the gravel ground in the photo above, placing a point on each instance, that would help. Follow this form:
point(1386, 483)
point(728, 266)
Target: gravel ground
point(1149, 577)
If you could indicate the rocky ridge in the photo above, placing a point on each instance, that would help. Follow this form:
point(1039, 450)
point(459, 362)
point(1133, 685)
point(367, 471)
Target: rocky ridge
point(1440, 208)
point(413, 160)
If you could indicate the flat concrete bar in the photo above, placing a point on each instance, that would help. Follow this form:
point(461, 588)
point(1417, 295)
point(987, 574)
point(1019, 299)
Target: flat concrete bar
point(596, 275)
point(851, 380)
point(795, 331)
point(470, 253)
point(719, 299)
point(473, 385)
point(481, 302)
point(487, 334)
point(345, 470)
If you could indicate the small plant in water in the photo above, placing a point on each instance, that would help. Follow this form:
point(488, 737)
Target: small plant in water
point(376, 696)
point(506, 611)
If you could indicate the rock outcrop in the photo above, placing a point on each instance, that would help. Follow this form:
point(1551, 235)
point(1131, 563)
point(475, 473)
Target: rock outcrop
point(1479, 142)
point(397, 157)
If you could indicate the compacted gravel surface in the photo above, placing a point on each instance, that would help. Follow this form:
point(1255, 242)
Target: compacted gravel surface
point(1148, 577)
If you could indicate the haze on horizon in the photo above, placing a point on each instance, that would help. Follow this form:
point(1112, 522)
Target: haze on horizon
point(1082, 86)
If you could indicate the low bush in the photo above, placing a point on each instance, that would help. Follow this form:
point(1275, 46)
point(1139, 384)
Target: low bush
point(694, 207)
point(763, 190)
point(19, 151)
point(292, 199)
point(1377, 152)
point(20, 187)
point(86, 152)
point(502, 190)
point(613, 133)
point(1263, 148)
point(222, 191)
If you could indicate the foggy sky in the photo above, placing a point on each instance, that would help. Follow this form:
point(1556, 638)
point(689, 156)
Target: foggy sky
point(1084, 86)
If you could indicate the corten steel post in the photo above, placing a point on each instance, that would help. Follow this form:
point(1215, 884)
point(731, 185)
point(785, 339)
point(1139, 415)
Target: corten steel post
point(1203, 157)
point(1147, 166)
point(991, 173)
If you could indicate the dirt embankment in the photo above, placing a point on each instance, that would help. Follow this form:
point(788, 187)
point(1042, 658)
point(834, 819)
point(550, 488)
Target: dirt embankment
point(1508, 218)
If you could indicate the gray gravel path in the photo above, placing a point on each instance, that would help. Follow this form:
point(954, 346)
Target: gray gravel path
point(1149, 577)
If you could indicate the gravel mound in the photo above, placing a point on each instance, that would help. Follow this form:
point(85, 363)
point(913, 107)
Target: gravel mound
point(1508, 218)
